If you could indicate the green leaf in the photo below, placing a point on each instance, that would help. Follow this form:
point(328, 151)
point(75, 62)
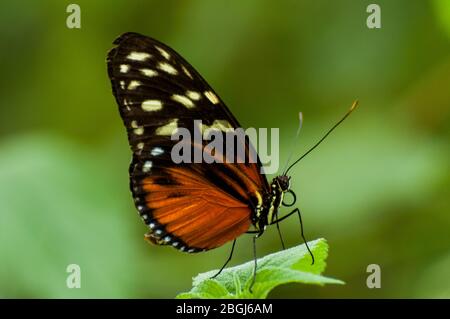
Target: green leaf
point(206, 290)
point(287, 266)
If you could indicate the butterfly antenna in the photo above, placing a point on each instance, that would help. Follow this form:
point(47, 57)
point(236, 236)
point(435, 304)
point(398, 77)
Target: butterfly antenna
point(300, 123)
point(352, 108)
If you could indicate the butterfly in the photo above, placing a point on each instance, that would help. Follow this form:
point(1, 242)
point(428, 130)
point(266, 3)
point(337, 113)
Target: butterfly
point(192, 207)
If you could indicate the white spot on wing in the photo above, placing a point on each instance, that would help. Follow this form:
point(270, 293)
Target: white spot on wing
point(139, 130)
point(186, 71)
point(147, 166)
point(157, 151)
point(183, 100)
point(163, 52)
point(166, 67)
point(151, 105)
point(133, 85)
point(167, 239)
point(212, 97)
point(193, 95)
point(138, 56)
point(122, 85)
point(126, 103)
point(124, 68)
point(134, 124)
point(221, 125)
point(140, 146)
point(149, 72)
point(168, 129)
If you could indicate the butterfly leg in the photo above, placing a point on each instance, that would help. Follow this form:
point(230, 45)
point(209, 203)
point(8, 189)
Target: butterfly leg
point(279, 233)
point(276, 221)
point(228, 260)
point(256, 264)
point(296, 210)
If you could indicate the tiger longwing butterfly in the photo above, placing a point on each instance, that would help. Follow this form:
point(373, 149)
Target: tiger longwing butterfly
point(191, 206)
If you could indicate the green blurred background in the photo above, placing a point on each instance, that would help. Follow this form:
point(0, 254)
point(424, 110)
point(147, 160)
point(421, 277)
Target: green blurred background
point(377, 190)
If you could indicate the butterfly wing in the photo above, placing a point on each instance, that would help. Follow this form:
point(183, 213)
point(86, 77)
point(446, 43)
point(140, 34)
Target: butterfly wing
point(191, 206)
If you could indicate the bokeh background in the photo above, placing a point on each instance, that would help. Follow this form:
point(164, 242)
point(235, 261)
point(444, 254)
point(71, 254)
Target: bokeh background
point(377, 190)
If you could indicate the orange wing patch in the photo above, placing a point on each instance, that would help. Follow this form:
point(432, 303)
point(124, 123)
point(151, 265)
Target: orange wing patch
point(195, 211)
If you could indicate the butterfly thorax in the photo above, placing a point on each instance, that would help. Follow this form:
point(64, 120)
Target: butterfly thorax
point(271, 202)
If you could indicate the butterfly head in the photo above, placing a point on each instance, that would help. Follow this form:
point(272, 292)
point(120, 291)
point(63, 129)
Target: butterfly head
point(283, 182)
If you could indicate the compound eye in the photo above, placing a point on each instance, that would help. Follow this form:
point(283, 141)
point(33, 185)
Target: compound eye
point(294, 199)
point(288, 186)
